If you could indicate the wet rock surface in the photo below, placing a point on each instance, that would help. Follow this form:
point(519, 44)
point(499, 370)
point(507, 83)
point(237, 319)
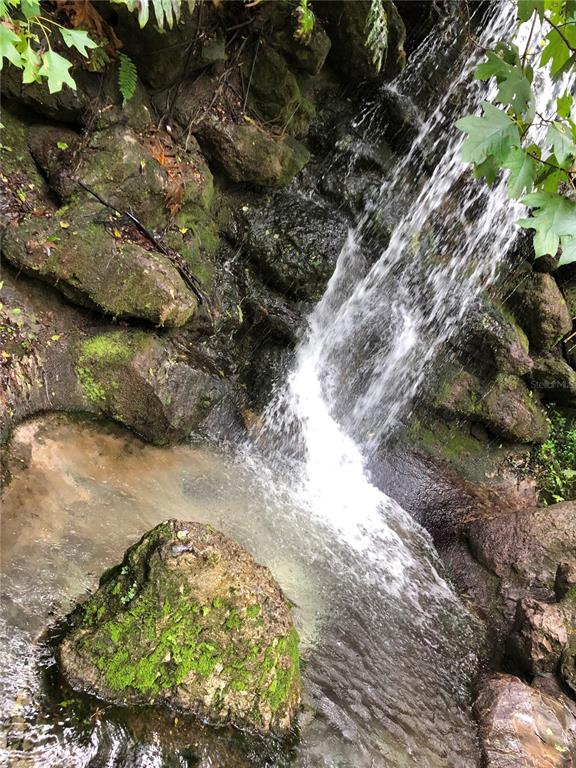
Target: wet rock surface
point(521, 727)
point(189, 619)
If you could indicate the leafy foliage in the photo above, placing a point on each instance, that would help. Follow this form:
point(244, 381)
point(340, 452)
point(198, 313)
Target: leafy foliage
point(377, 33)
point(555, 460)
point(25, 41)
point(166, 12)
point(305, 21)
point(542, 175)
point(127, 77)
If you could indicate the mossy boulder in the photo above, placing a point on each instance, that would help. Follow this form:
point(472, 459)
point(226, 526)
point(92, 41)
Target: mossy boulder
point(503, 404)
point(248, 153)
point(348, 23)
point(142, 381)
point(541, 309)
point(498, 342)
point(78, 251)
point(189, 619)
point(554, 379)
point(275, 93)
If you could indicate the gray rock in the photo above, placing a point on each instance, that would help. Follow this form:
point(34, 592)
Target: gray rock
point(521, 727)
point(189, 619)
point(498, 342)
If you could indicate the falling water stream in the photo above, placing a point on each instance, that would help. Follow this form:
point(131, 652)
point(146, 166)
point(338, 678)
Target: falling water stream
point(389, 650)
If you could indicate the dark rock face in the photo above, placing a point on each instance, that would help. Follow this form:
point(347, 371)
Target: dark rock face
point(498, 341)
point(191, 620)
point(293, 242)
point(521, 727)
point(554, 379)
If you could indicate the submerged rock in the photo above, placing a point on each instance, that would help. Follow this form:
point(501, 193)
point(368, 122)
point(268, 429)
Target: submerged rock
point(189, 619)
point(521, 727)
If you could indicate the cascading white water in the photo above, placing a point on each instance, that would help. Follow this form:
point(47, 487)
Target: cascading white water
point(374, 334)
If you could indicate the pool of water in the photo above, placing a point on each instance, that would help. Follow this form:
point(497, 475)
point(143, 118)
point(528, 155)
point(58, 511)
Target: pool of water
point(388, 650)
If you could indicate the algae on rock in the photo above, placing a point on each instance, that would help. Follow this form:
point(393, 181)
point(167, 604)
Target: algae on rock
point(189, 619)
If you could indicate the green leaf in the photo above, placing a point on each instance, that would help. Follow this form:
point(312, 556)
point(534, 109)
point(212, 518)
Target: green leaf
point(490, 135)
point(564, 105)
point(8, 49)
point(557, 53)
point(55, 69)
point(523, 170)
point(79, 39)
point(568, 243)
point(487, 170)
point(30, 8)
point(32, 63)
point(560, 138)
point(127, 77)
point(527, 7)
point(555, 217)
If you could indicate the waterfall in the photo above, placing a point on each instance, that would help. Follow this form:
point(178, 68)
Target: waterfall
point(381, 323)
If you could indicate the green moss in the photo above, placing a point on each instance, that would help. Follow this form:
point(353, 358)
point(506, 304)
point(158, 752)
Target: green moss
point(92, 390)
point(283, 661)
point(108, 348)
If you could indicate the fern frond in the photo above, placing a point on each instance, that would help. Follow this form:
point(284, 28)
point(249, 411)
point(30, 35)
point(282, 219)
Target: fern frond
point(127, 77)
point(377, 33)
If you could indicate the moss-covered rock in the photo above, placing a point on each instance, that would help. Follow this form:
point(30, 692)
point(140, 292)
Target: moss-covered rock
point(306, 55)
point(189, 619)
point(75, 251)
point(503, 404)
point(554, 378)
point(275, 93)
point(348, 24)
point(498, 342)
point(248, 153)
point(140, 380)
point(541, 309)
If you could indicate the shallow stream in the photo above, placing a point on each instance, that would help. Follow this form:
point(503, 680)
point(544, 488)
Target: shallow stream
point(388, 649)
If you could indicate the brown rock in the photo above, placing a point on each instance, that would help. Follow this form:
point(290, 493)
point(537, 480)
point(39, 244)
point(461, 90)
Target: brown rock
point(539, 635)
point(521, 727)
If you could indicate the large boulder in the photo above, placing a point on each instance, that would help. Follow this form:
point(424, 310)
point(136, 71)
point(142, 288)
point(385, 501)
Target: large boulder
point(189, 619)
point(497, 341)
point(57, 357)
point(248, 153)
point(92, 263)
point(142, 381)
point(521, 727)
point(541, 309)
point(526, 547)
point(554, 378)
point(503, 404)
point(275, 93)
point(293, 242)
point(540, 634)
